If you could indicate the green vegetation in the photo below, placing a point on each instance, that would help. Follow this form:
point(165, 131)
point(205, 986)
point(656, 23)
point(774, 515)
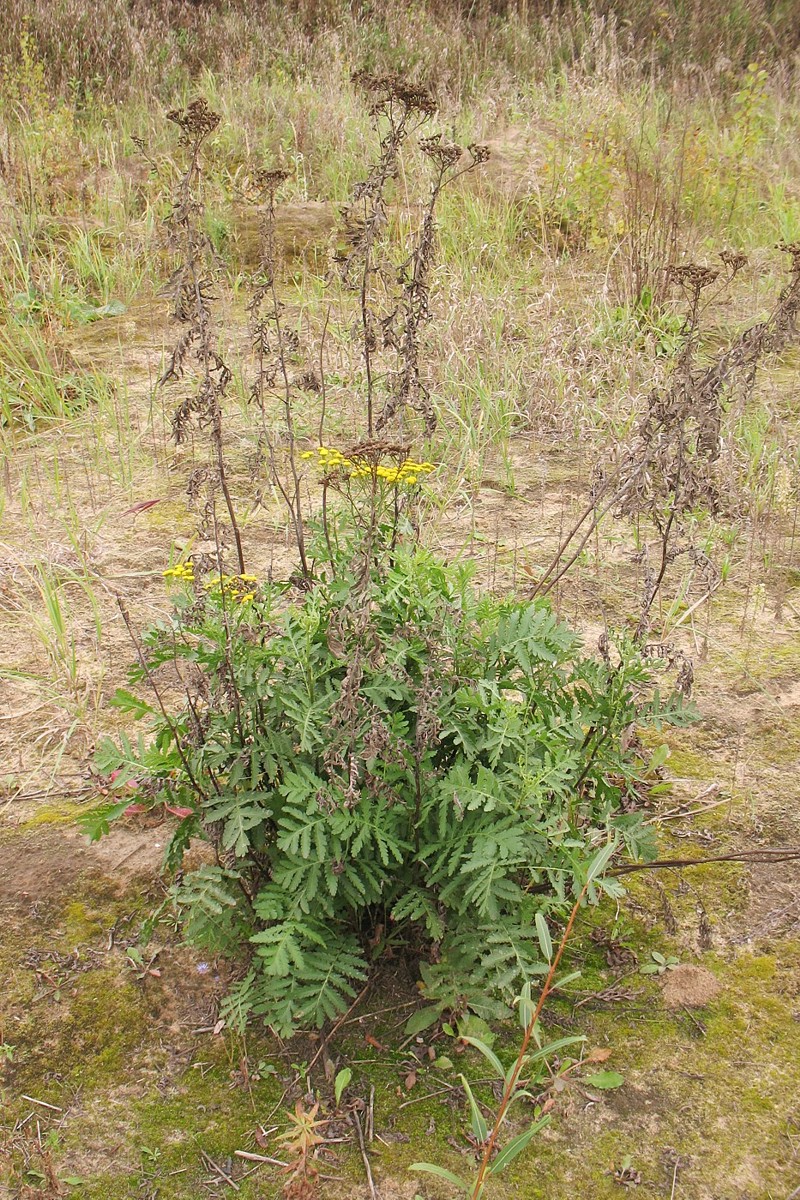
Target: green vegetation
point(400, 755)
point(573, 363)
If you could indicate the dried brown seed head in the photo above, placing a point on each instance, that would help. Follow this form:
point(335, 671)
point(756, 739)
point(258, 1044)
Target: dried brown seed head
point(733, 260)
point(196, 121)
point(444, 154)
point(693, 275)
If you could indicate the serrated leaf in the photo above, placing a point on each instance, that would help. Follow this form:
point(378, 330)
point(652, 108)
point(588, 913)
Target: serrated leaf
point(131, 703)
point(95, 823)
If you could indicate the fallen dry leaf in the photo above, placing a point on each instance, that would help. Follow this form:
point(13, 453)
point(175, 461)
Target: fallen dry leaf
point(598, 1055)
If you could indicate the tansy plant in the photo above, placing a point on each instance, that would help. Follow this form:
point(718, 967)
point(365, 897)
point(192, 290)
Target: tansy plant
point(384, 754)
point(374, 749)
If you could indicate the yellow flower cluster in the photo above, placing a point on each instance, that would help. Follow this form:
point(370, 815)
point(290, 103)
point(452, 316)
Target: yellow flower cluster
point(182, 573)
point(407, 472)
point(238, 588)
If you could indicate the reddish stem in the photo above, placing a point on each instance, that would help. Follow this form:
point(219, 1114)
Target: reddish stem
point(511, 1085)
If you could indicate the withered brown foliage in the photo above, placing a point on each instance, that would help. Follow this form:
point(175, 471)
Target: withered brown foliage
point(191, 290)
point(394, 294)
point(669, 467)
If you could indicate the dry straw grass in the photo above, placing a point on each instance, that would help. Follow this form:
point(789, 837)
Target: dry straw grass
point(117, 47)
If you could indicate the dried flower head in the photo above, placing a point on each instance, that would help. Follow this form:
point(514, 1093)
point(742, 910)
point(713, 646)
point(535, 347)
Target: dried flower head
point(268, 181)
point(196, 121)
point(444, 154)
point(693, 276)
point(384, 89)
point(792, 248)
point(733, 260)
point(480, 154)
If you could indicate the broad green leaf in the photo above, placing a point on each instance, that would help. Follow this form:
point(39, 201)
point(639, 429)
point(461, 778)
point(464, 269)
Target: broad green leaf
point(526, 1006)
point(544, 937)
point(658, 758)
point(341, 1081)
point(601, 860)
point(422, 1019)
point(605, 1080)
point(479, 1127)
point(553, 1047)
point(114, 308)
point(488, 1054)
point(473, 1026)
point(560, 983)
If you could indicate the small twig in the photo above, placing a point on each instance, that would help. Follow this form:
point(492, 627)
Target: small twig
point(694, 1020)
point(217, 1169)
point(774, 855)
point(355, 1122)
point(259, 1158)
point(376, 1012)
point(680, 811)
point(24, 797)
point(689, 611)
point(690, 812)
point(43, 1103)
point(420, 1099)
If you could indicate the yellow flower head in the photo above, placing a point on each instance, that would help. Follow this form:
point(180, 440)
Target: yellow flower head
point(182, 572)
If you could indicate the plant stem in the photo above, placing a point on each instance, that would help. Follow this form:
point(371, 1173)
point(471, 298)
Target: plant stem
point(511, 1084)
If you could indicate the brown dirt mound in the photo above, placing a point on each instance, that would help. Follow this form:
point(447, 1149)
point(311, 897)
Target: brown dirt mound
point(686, 986)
